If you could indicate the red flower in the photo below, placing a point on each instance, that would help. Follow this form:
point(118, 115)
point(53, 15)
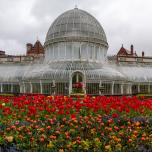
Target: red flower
point(73, 116)
point(7, 111)
point(114, 115)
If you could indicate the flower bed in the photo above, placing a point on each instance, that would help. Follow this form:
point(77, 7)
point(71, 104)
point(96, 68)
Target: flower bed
point(60, 124)
point(77, 88)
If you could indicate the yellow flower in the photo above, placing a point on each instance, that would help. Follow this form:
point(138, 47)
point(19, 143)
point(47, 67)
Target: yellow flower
point(97, 142)
point(108, 148)
point(3, 104)
point(93, 131)
point(97, 139)
point(118, 146)
point(9, 138)
point(85, 144)
point(144, 134)
point(50, 145)
point(74, 142)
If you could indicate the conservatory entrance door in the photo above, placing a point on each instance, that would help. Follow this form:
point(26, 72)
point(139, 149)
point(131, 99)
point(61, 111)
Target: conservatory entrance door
point(77, 78)
point(77, 82)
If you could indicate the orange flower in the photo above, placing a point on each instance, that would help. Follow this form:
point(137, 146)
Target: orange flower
point(130, 140)
point(68, 146)
point(9, 138)
point(143, 138)
point(61, 150)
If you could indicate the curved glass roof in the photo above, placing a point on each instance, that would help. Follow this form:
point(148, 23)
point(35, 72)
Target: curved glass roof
point(77, 25)
point(12, 73)
point(61, 71)
point(137, 73)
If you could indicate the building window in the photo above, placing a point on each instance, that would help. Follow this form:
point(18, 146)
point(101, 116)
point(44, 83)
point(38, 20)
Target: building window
point(84, 51)
point(117, 89)
point(16, 88)
point(92, 88)
point(36, 87)
point(134, 89)
point(46, 87)
point(62, 88)
point(55, 52)
point(96, 52)
point(27, 88)
point(6, 88)
point(122, 59)
point(143, 88)
point(105, 88)
point(76, 50)
point(69, 50)
point(61, 50)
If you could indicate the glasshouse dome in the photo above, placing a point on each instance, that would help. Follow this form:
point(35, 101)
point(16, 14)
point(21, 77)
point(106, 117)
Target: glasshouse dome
point(75, 62)
point(76, 35)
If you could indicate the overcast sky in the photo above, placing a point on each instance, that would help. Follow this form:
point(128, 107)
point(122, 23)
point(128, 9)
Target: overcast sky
point(124, 21)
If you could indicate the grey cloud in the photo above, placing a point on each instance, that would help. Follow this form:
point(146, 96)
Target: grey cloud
point(126, 21)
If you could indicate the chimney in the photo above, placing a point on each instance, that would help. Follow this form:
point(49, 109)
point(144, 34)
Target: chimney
point(132, 49)
point(28, 47)
point(143, 53)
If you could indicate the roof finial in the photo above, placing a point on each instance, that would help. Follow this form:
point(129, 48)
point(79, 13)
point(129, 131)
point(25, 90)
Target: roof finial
point(76, 7)
point(37, 38)
point(122, 45)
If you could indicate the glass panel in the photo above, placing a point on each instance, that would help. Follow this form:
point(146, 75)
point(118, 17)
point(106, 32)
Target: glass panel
point(46, 87)
point(90, 51)
point(6, 88)
point(16, 88)
point(55, 51)
point(84, 51)
point(51, 53)
point(63, 28)
point(61, 51)
point(105, 88)
point(117, 89)
point(96, 52)
point(69, 27)
point(27, 88)
point(69, 50)
point(134, 89)
point(125, 86)
point(36, 88)
point(143, 88)
point(60, 88)
point(99, 54)
point(76, 50)
point(92, 88)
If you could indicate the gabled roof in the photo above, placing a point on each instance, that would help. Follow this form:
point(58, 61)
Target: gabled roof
point(37, 48)
point(124, 52)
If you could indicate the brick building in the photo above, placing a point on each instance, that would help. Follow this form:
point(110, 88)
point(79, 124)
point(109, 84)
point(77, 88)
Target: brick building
point(33, 53)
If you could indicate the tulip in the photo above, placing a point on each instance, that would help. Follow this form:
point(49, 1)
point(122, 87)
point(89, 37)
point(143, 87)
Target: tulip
point(9, 138)
point(41, 139)
point(108, 148)
point(50, 145)
point(48, 127)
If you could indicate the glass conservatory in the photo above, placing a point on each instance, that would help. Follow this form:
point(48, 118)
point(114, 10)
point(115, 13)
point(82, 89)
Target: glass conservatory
point(75, 57)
